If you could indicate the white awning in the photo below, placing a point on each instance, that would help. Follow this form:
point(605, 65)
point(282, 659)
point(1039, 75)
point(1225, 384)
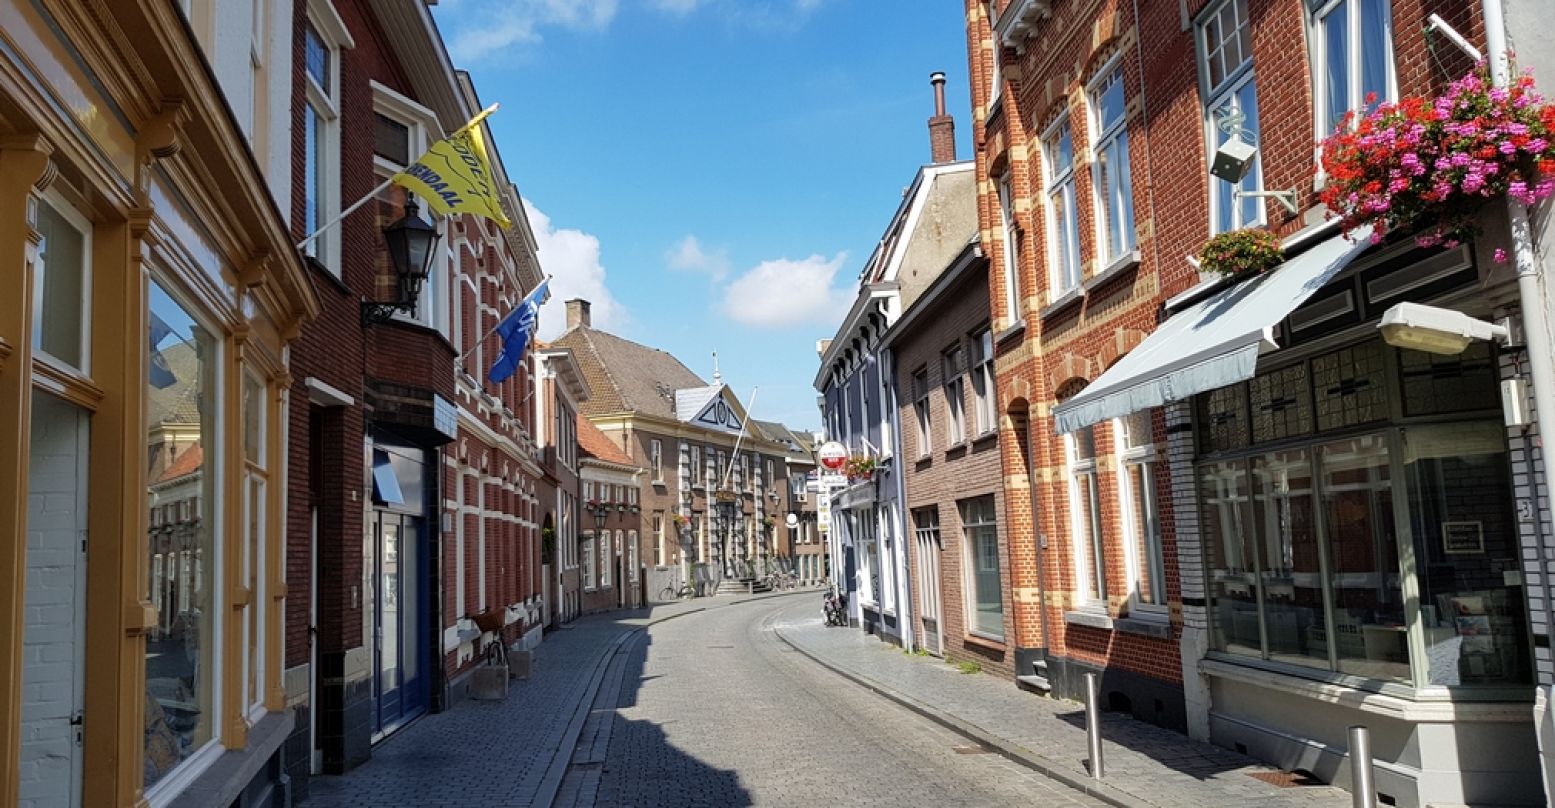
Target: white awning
point(1210, 344)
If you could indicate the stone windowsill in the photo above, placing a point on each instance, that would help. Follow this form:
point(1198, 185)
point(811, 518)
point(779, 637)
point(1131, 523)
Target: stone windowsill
point(224, 780)
point(1062, 302)
point(1091, 619)
point(1119, 265)
point(1015, 330)
point(1147, 627)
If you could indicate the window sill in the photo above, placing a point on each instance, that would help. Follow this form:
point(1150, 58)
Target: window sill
point(1015, 330)
point(1424, 707)
point(985, 641)
point(1090, 619)
point(658, 483)
point(1062, 302)
point(224, 779)
point(1144, 626)
point(985, 438)
point(1120, 265)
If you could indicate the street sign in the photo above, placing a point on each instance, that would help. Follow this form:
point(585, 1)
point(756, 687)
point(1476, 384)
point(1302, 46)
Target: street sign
point(832, 455)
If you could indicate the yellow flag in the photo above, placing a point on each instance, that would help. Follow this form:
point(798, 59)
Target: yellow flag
point(454, 176)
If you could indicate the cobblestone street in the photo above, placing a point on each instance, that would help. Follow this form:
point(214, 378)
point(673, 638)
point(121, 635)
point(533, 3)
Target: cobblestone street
point(708, 709)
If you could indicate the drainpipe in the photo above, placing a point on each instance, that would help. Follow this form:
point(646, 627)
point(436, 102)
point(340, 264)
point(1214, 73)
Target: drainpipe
point(894, 424)
point(1532, 301)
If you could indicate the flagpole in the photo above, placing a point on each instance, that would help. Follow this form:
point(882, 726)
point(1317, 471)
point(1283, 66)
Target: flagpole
point(390, 181)
point(722, 486)
point(500, 321)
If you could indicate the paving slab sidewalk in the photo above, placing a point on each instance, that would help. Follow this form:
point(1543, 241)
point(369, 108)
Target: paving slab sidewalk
point(499, 753)
point(1144, 764)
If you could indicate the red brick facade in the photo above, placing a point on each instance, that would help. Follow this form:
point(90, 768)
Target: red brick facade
point(1066, 341)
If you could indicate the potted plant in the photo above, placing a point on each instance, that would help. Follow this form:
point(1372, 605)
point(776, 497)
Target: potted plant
point(1241, 253)
point(859, 467)
point(1427, 164)
point(681, 522)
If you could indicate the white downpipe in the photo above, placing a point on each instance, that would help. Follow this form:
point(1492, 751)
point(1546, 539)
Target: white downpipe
point(891, 430)
point(1541, 363)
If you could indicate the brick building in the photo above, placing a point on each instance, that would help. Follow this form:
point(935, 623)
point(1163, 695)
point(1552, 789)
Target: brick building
point(612, 576)
point(953, 485)
point(796, 543)
point(559, 387)
point(693, 441)
point(867, 537)
point(1240, 503)
point(412, 492)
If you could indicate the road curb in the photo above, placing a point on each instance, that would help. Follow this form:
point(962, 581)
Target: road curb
point(1010, 750)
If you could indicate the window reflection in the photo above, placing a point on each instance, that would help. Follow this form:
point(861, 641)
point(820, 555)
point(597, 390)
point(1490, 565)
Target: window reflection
point(181, 406)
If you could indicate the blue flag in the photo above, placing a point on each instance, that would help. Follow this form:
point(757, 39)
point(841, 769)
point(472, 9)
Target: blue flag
point(514, 331)
point(159, 374)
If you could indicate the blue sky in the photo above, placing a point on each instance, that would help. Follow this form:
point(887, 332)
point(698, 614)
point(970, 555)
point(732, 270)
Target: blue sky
point(712, 174)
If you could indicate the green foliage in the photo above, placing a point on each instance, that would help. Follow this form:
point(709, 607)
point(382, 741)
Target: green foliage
point(1241, 252)
point(969, 667)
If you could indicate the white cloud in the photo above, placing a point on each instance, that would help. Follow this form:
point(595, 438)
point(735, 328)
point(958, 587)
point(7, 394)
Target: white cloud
point(571, 258)
point(688, 256)
point(484, 27)
point(785, 292)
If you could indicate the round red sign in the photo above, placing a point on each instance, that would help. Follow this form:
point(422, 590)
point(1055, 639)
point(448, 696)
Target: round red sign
point(832, 455)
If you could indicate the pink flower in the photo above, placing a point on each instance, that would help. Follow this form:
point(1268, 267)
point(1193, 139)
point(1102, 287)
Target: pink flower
point(1500, 255)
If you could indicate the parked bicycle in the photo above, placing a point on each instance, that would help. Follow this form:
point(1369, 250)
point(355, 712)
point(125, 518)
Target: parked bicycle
point(673, 592)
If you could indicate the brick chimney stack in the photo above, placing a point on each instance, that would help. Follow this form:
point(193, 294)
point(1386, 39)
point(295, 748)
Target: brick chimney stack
point(942, 127)
point(577, 313)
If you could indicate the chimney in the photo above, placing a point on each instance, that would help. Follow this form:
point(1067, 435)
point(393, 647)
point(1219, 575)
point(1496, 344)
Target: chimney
point(577, 313)
point(942, 127)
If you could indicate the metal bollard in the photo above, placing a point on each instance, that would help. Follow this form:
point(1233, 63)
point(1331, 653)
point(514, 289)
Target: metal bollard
point(1363, 787)
point(1093, 723)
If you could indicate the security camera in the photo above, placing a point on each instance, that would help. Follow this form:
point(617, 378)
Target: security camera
point(1233, 159)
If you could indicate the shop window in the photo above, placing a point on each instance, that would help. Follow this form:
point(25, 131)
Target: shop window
point(1142, 523)
point(1350, 386)
point(980, 536)
point(182, 660)
point(1303, 544)
point(1466, 549)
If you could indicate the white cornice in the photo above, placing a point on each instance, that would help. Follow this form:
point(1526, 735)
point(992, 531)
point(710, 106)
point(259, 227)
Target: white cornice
point(1019, 21)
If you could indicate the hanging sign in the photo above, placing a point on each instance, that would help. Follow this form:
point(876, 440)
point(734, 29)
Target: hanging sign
point(832, 455)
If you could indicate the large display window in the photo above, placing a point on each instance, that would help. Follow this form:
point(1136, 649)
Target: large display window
point(1357, 509)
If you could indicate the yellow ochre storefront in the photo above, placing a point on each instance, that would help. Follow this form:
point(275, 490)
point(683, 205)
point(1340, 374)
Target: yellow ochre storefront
point(147, 296)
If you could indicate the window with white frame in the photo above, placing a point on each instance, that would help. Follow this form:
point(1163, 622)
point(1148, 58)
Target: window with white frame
point(1009, 231)
point(402, 131)
point(955, 395)
point(588, 490)
point(920, 406)
point(631, 556)
point(696, 465)
point(926, 531)
point(986, 410)
point(984, 592)
point(658, 539)
point(996, 79)
point(656, 459)
point(1226, 79)
point(1063, 225)
point(61, 329)
point(606, 559)
point(631, 495)
point(1141, 518)
point(1085, 516)
point(1110, 180)
point(324, 34)
point(1352, 42)
point(588, 560)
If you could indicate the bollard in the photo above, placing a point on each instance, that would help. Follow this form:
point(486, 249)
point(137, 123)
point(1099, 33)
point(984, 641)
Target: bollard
point(1093, 722)
point(1363, 789)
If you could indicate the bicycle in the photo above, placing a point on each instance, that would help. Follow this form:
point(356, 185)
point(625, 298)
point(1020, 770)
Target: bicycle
point(673, 592)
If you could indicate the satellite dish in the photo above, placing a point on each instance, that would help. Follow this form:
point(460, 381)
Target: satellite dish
point(792, 521)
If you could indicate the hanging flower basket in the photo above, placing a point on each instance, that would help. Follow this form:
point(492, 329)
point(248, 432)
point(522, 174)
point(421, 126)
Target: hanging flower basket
point(1240, 253)
point(1426, 165)
point(859, 468)
point(681, 522)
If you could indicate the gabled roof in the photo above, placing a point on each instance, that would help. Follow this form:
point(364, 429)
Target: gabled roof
point(625, 376)
point(596, 445)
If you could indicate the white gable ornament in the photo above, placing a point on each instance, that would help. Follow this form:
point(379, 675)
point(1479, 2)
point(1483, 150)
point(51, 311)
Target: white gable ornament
point(718, 415)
